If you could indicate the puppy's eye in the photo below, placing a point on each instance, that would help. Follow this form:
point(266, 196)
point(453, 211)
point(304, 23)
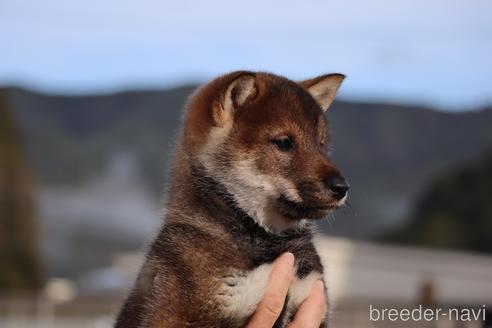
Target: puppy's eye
point(283, 143)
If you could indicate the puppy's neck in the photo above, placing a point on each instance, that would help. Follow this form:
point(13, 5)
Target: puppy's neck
point(212, 195)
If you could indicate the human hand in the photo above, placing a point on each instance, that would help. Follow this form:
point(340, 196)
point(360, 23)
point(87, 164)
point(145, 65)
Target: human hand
point(309, 314)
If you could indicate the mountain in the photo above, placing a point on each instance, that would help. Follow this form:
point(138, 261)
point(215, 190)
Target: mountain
point(454, 211)
point(387, 151)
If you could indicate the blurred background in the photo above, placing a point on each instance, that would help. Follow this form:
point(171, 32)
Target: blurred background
point(91, 95)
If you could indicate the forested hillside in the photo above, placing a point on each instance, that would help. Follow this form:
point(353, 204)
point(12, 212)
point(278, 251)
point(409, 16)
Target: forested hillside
point(454, 211)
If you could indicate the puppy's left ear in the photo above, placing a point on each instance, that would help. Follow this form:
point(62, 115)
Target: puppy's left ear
point(241, 89)
point(323, 88)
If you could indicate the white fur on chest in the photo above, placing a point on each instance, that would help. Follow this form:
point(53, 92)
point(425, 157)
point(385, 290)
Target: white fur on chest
point(241, 292)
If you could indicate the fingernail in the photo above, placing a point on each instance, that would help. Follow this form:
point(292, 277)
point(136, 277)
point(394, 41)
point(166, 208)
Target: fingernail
point(320, 285)
point(290, 258)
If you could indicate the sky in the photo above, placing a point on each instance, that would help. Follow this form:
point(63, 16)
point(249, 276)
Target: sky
point(430, 52)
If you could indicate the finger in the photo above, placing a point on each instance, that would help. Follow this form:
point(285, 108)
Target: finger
point(312, 310)
point(276, 290)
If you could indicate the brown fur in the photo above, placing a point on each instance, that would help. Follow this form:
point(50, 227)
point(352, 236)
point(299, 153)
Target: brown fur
point(206, 233)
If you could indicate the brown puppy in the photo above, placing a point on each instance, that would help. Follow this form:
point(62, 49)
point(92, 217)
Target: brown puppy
point(250, 175)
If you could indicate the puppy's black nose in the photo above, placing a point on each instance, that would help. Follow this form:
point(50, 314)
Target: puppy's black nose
point(337, 185)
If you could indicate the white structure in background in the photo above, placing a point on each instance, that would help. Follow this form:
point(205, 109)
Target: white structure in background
point(60, 290)
point(358, 271)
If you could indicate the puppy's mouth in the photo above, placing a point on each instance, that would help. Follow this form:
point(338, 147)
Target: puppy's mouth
point(305, 210)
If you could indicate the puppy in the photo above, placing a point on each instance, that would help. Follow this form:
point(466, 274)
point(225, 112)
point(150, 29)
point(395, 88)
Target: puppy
point(249, 177)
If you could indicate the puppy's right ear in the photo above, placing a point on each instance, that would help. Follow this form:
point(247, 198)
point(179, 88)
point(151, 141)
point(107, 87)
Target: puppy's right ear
point(323, 88)
point(240, 90)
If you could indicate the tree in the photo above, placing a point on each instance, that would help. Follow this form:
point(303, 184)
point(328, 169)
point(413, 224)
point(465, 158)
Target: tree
point(455, 211)
point(18, 226)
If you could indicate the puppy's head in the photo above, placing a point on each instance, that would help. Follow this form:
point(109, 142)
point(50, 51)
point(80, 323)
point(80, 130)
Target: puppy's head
point(264, 138)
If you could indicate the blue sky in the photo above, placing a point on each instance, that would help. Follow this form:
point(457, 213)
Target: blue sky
point(435, 52)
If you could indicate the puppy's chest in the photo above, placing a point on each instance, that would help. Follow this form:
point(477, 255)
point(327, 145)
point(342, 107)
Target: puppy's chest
point(241, 290)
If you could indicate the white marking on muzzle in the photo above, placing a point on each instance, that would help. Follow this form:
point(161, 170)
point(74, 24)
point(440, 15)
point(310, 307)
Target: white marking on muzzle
point(256, 194)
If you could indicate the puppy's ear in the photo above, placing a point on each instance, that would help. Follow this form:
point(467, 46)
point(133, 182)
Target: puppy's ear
point(323, 88)
point(240, 90)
